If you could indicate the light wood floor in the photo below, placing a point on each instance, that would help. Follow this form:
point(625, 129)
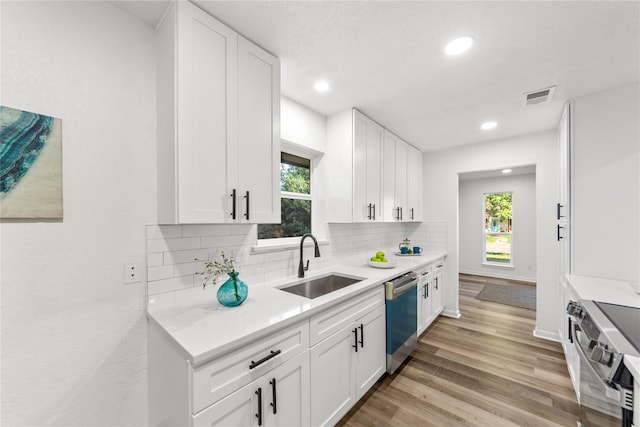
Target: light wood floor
point(484, 369)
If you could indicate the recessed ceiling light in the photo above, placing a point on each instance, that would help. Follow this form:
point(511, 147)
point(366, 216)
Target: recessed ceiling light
point(322, 86)
point(506, 170)
point(459, 45)
point(488, 125)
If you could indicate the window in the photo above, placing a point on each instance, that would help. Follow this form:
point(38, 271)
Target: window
point(295, 188)
point(498, 224)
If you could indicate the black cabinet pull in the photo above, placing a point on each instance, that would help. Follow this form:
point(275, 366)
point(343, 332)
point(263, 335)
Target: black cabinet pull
point(436, 283)
point(558, 232)
point(233, 200)
point(259, 414)
point(247, 213)
point(411, 214)
point(264, 359)
point(273, 390)
point(558, 206)
point(401, 214)
point(426, 291)
point(374, 211)
point(361, 335)
point(369, 208)
point(355, 334)
point(570, 331)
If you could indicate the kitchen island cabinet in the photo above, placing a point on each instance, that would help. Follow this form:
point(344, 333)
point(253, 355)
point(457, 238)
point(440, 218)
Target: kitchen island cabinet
point(218, 105)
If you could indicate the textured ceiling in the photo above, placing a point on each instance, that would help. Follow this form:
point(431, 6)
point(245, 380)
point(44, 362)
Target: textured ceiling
point(386, 58)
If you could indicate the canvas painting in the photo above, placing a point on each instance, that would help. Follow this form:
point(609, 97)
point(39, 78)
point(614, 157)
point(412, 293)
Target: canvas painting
point(30, 165)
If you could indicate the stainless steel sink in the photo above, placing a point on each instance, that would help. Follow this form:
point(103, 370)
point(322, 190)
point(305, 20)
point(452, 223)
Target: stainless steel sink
point(313, 288)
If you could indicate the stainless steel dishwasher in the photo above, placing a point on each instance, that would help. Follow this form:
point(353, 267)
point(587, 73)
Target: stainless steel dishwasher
point(401, 307)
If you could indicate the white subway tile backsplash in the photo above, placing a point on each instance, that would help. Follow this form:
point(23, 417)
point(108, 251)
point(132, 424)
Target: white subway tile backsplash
point(167, 245)
point(171, 250)
point(159, 273)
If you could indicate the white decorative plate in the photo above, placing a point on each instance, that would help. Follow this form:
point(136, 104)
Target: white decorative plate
point(388, 264)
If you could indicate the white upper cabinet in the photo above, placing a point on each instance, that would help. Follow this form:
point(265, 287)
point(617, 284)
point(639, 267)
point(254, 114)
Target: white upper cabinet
point(414, 185)
point(354, 157)
point(402, 180)
point(218, 123)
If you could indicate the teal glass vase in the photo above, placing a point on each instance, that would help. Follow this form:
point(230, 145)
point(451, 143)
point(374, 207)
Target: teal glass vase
point(233, 292)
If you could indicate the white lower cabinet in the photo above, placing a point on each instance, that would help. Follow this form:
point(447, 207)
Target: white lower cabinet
point(345, 365)
point(438, 283)
point(278, 398)
point(430, 285)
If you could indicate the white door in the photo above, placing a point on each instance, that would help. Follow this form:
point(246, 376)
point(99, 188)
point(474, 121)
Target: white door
point(425, 311)
point(436, 287)
point(332, 379)
point(414, 184)
point(258, 154)
point(387, 211)
point(402, 213)
point(207, 120)
point(375, 135)
point(370, 361)
point(288, 397)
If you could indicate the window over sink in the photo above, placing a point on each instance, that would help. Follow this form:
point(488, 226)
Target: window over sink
point(296, 200)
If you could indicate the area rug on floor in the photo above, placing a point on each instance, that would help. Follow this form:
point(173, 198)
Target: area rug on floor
point(523, 296)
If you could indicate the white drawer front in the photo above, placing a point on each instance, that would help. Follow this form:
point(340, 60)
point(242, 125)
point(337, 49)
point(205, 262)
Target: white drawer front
point(331, 321)
point(228, 373)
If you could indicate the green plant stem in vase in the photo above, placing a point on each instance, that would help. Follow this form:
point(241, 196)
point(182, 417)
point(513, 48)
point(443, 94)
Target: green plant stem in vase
point(233, 291)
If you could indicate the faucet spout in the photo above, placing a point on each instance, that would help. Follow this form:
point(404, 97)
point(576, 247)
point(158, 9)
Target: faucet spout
point(301, 266)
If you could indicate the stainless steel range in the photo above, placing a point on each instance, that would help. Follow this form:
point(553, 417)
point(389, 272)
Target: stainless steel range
point(603, 333)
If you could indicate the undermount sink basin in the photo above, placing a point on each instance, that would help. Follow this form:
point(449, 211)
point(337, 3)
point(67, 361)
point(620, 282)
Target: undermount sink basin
point(313, 288)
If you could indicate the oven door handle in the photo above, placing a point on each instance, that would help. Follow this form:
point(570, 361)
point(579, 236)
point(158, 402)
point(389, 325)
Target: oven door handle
point(406, 288)
point(577, 328)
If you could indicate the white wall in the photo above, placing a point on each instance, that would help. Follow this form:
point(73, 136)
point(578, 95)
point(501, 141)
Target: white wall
point(605, 233)
point(441, 170)
point(74, 343)
point(471, 223)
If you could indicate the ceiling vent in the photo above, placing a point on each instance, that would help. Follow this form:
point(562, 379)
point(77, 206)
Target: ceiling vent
point(539, 96)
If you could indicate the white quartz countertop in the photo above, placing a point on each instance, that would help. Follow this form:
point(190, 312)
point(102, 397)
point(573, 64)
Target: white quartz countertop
point(204, 329)
point(604, 290)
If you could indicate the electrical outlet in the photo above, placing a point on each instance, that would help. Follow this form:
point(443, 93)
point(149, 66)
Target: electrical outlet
point(132, 272)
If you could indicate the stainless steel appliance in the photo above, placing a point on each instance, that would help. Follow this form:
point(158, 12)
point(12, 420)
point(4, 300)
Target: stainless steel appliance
point(402, 319)
point(602, 334)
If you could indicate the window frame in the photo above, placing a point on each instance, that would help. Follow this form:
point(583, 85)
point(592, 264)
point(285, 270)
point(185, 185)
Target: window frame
point(486, 233)
point(288, 241)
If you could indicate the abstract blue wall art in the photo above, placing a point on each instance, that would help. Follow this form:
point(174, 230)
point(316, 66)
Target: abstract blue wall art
point(30, 165)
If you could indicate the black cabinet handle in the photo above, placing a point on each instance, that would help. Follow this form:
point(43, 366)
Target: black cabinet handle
point(426, 288)
point(355, 334)
point(361, 335)
point(570, 331)
point(374, 211)
point(401, 215)
point(558, 232)
point(259, 414)
point(273, 390)
point(411, 214)
point(247, 213)
point(233, 200)
point(436, 283)
point(558, 206)
point(264, 359)
point(369, 207)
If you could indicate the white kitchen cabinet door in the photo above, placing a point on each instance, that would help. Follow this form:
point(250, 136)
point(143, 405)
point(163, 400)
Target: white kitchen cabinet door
point(288, 394)
point(414, 185)
point(239, 409)
point(332, 379)
point(401, 208)
point(425, 310)
point(370, 361)
point(437, 284)
point(197, 71)
point(388, 210)
point(367, 168)
point(258, 150)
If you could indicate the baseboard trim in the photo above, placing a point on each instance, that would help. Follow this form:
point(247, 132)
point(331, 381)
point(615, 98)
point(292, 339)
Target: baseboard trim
point(546, 335)
point(450, 313)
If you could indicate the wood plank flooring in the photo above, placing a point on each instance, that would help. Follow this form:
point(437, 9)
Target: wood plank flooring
point(484, 369)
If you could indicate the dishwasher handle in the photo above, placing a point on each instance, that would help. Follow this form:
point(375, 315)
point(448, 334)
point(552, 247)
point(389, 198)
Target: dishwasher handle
point(393, 292)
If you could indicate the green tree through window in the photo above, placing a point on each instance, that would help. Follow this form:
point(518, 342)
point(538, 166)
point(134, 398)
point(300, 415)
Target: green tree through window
point(498, 227)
